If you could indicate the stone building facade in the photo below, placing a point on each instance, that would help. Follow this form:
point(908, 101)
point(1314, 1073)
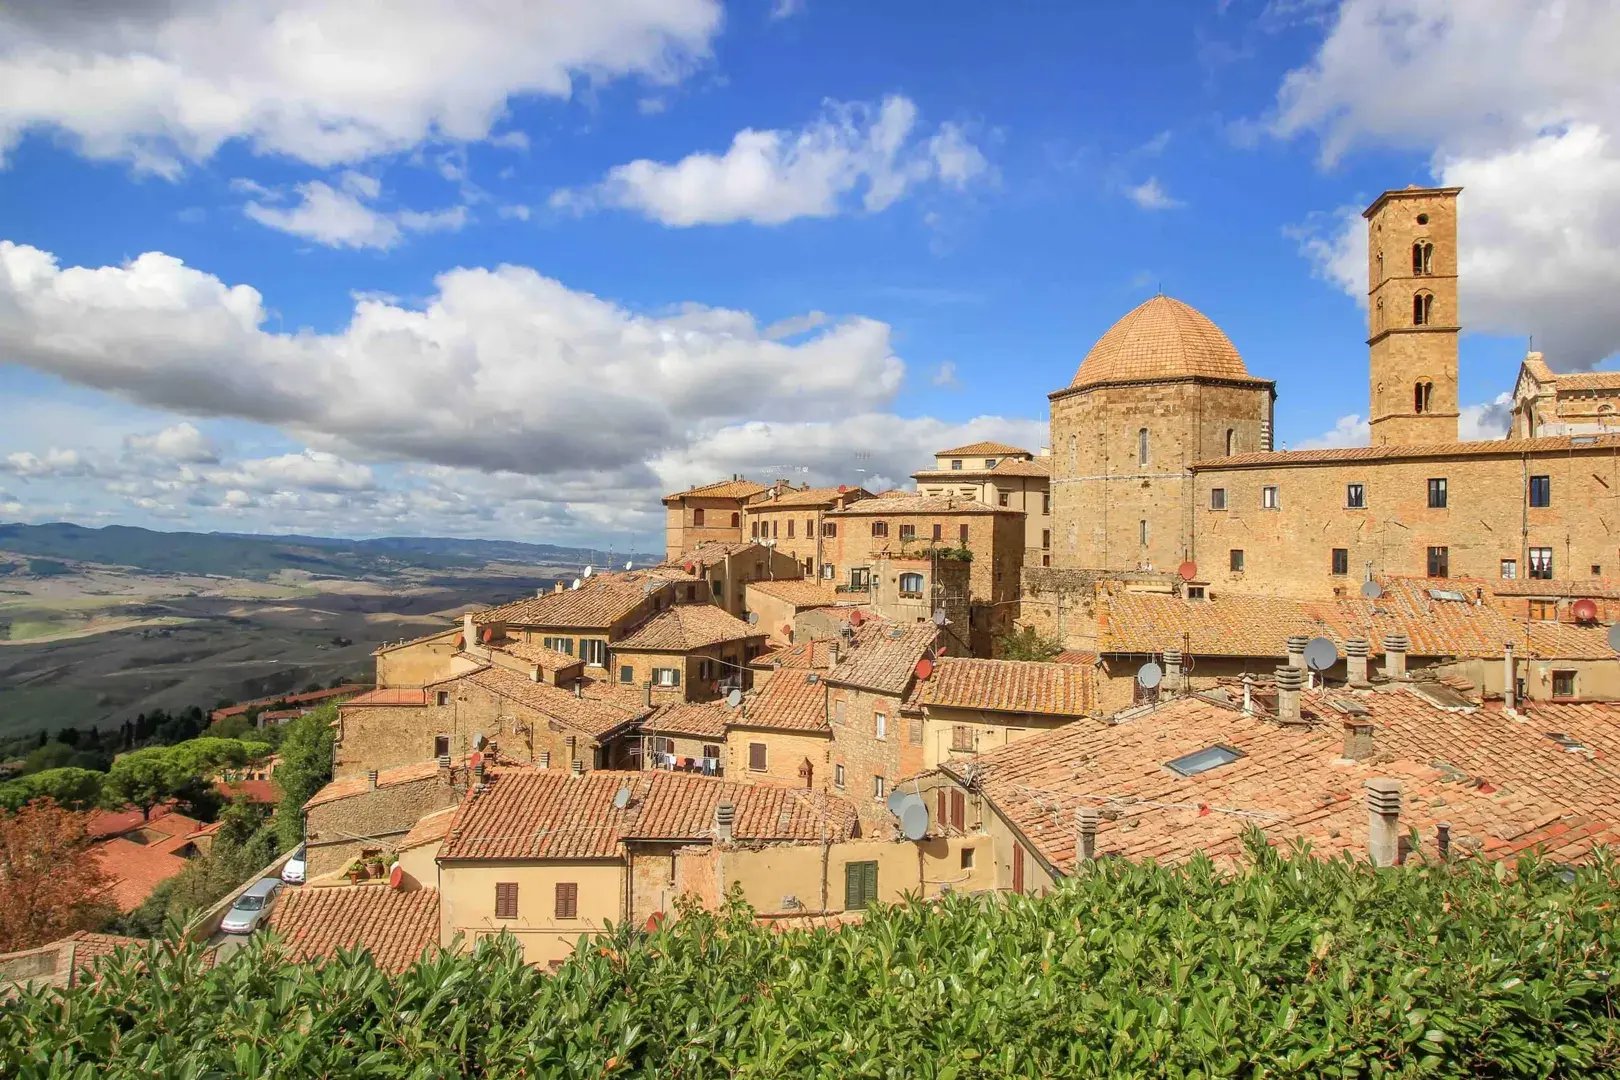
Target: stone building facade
point(790, 519)
point(997, 474)
point(1546, 402)
point(712, 513)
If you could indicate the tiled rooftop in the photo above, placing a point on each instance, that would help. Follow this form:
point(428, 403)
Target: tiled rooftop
point(913, 503)
point(1162, 338)
point(311, 697)
point(350, 786)
point(698, 720)
point(587, 714)
point(1394, 452)
point(801, 592)
point(1589, 380)
point(884, 656)
point(1014, 467)
point(395, 927)
point(685, 627)
point(711, 551)
point(602, 600)
point(1500, 782)
point(135, 869)
point(392, 695)
point(548, 814)
point(1016, 686)
point(992, 449)
point(799, 656)
point(794, 700)
point(429, 830)
point(720, 489)
point(810, 497)
point(69, 958)
point(534, 653)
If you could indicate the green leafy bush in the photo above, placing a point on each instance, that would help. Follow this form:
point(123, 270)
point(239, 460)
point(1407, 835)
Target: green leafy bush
point(1289, 967)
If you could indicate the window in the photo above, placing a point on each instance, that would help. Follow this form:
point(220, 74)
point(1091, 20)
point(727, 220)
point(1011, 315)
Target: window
point(916, 731)
point(1422, 257)
point(880, 528)
point(756, 757)
point(880, 788)
point(827, 571)
point(1217, 498)
point(838, 776)
point(1439, 562)
point(627, 674)
point(1437, 493)
point(1046, 503)
point(961, 739)
point(1422, 308)
point(790, 528)
point(1201, 761)
point(1231, 441)
point(666, 676)
point(1563, 684)
point(989, 462)
point(880, 726)
point(441, 746)
point(776, 527)
point(1541, 491)
point(1142, 532)
point(753, 529)
point(860, 885)
point(1541, 563)
point(858, 577)
point(736, 521)
point(1197, 592)
point(961, 535)
point(908, 532)
point(1141, 446)
point(1003, 499)
point(1543, 610)
point(911, 585)
point(506, 900)
point(1046, 539)
point(956, 463)
point(1341, 561)
point(594, 651)
point(1018, 868)
point(441, 697)
point(967, 858)
point(809, 527)
point(1422, 395)
point(559, 644)
point(838, 711)
point(939, 533)
point(1568, 742)
point(697, 517)
point(829, 528)
point(567, 900)
point(1235, 560)
point(1510, 569)
point(958, 810)
point(1355, 497)
point(1268, 497)
point(717, 587)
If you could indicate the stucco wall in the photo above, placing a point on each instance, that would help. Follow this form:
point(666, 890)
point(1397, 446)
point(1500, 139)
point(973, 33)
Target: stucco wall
point(467, 903)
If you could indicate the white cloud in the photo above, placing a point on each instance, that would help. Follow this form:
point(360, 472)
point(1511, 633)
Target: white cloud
point(1489, 420)
point(945, 376)
point(162, 83)
point(771, 177)
point(341, 219)
point(1347, 431)
point(312, 470)
point(786, 9)
point(1151, 195)
point(1517, 104)
point(53, 464)
point(181, 442)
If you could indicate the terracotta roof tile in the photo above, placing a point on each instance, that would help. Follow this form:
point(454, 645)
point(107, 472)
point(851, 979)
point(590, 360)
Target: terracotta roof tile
point(800, 593)
point(800, 656)
point(1075, 656)
point(711, 551)
point(601, 601)
point(705, 720)
point(70, 957)
point(429, 830)
point(1162, 338)
point(794, 700)
point(810, 497)
point(912, 503)
point(1019, 686)
point(1014, 467)
point(535, 653)
point(548, 814)
point(391, 695)
point(1588, 380)
point(350, 786)
point(395, 927)
point(1597, 588)
point(720, 489)
point(1484, 447)
point(685, 627)
point(135, 869)
point(884, 656)
point(991, 448)
point(311, 697)
point(587, 714)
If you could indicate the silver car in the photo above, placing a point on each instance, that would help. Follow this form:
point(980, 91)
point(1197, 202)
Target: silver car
point(293, 872)
point(251, 907)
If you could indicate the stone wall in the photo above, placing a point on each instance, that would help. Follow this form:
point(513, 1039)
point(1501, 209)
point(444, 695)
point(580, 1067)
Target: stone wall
point(785, 754)
point(865, 757)
point(336, 832)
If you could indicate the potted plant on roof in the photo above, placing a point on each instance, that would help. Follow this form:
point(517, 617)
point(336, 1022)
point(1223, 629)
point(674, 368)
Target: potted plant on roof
point(375, 865)
point(355, 872)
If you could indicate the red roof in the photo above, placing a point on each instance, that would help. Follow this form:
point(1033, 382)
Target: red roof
point(312, 697)
point(257, 791)
point(393, 695)
point(394, 927)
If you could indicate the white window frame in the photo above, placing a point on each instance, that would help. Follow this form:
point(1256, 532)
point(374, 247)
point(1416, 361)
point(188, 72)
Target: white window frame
point(666, 677)
point(1269, 497)
point(880, 726)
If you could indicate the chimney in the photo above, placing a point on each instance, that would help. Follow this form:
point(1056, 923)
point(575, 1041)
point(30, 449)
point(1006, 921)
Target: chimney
point(1086, 818)
point(1395, 646)
point(445, 774)
point(1296, 650)
point(1248, 694)
point(832, 654)
point(545, 759)
point(578, 767)
point(469, 633)
point(579, 688)
point(478, 777)
point(724, 815)
point(1290, 680)
point(371, 779)
point(1442, 835)
point(1358, 738)
point(1355, 660)
point(1172, 671)
point(556, 586)
point(1383, 821)
point(1510, 683)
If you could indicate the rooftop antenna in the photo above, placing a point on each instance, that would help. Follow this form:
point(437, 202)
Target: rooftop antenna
point(621, 798)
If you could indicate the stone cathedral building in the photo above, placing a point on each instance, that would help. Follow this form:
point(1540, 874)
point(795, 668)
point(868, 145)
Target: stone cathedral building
point(1162, 463)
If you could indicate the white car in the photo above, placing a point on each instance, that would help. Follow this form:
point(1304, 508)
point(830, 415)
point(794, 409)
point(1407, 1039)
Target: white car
point(293, 872)
point(251, 908)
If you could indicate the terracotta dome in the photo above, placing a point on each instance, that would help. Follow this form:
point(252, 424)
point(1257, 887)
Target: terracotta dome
point(1161, 339)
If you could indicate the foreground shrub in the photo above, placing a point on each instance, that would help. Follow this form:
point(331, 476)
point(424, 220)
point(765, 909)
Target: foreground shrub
point(1288, 967)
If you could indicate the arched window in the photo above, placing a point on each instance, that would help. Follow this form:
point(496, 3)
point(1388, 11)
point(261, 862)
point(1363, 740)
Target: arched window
point(736, 520)
point(1422, 257)
point(1141, 447)
point(1422, 308)
point(911, 584)
point(1421, 394)
point(1231, 442)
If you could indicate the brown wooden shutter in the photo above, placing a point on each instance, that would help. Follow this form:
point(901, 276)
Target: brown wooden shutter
point(756, 756)
point(506, 900)
point(1018, 867)
point(959, 811)
point(567, 900)
point(943, 820)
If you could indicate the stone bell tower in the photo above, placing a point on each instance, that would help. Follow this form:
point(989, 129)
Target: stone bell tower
point(1412, 315)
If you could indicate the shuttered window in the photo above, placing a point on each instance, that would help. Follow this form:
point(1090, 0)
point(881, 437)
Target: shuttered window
point(860, 885)
point(756, 756)
point(959, 811)
point(1018, 868)
point(506, 900)
point(567, 899)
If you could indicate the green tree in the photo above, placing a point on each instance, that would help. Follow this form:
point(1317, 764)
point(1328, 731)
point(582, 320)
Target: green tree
point(76, 789)
point(1026, 644)
point(305, 767)
point(145, 778)
point(242, 846)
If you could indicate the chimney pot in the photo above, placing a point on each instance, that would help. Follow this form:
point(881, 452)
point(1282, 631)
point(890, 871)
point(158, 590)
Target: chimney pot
point(1087, 818)
point(1442, 835)
point(1248, 694)
point(1355, 660)
point(1395, 646)
point(1510, 679)
point(444, 762)
point(1290, 680)
point(371, 779)
point(469, 633)
point(1172, 671)
point(1296, 650)
point(1383, 821)
point(478, 776)
point(545, 759)
point(578, 767)
point(1358, 739)
point(725, 816)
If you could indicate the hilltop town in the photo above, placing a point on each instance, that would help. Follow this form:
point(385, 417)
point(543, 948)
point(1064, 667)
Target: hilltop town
point(1141, 641)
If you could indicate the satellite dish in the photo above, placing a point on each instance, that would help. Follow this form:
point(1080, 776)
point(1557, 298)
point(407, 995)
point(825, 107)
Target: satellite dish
point(925, 668)
point(479, 742)
point(787, 631)
point(734, 698)
point(914, 821)
point(856, 618)
point(1614, 637)
point(897, 801)
point(1321, 654)
point(1372, 590)
point(628, 564)
point(396, 876)
point(621, 798)
point(939, 617)
point(1187, 570)
point(1149, 675)
point(575, 585)
point(753, 617)
point(690, 568)
point(475, 759)
point(1584, 610)
point(587, 572)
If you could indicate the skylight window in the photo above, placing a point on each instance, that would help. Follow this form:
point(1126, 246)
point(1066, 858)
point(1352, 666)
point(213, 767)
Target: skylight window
point(1448, 594)
point(1201, 761)
point(1568, 742)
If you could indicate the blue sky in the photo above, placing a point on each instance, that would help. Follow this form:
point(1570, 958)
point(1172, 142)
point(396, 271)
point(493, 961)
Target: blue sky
point(289, 266)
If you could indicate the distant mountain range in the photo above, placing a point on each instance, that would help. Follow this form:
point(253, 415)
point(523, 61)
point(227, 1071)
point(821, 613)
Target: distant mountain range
point(259, 556)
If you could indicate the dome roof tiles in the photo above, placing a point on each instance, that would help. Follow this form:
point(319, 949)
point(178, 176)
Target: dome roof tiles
point(1158, 340)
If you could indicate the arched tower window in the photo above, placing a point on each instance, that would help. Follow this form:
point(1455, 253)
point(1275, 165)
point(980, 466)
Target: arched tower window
point(1422, 392)
point(1422, 308)
point(1422, 257)
point(1231, 442)
point(1141, 447)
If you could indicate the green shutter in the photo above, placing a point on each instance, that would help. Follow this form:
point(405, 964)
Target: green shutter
point(852, 887)
point(870, 883)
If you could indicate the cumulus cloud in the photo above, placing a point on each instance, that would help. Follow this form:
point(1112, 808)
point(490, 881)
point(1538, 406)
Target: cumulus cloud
point(1486, 420)
point(182, 442)
point(855, 154)
point(159, 83)
point(53, 464)
point(312, 470)
point(1518, 105)
point(1353, 430)
point(346, 219)
point(1151, 195)
point(945, 375)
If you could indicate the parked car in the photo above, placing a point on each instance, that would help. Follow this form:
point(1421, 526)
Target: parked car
point(251, 907)
point(293, 872)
